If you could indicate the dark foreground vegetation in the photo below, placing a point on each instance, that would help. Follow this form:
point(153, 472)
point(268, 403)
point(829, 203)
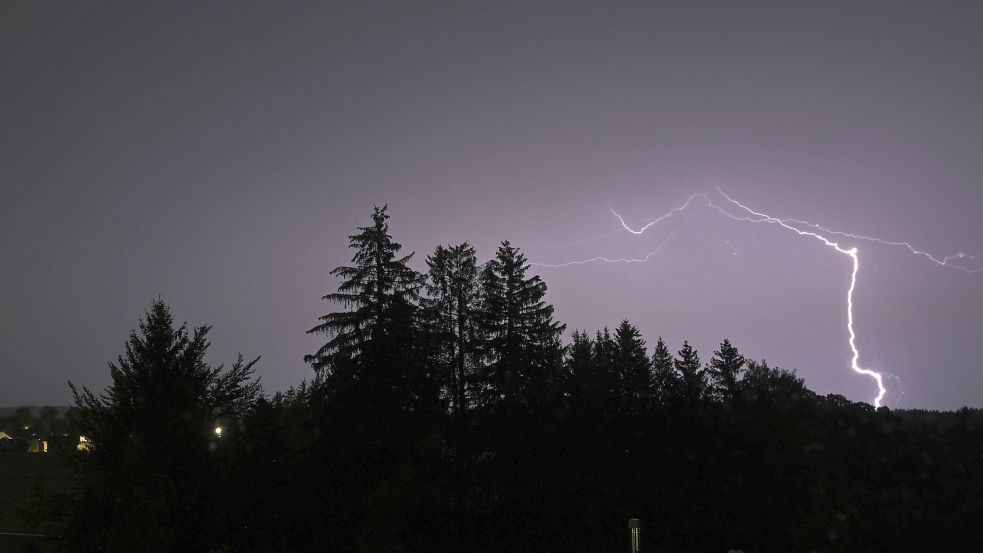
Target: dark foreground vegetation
point(22, 477)
point(445, 414)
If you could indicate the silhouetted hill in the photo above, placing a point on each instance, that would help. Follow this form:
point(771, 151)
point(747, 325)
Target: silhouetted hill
point(35, 410)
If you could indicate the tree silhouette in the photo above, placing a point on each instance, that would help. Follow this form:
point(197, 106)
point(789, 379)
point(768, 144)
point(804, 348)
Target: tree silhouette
point(606, 383)
point(155, 465)
point(725, 369)
point(692, 377)
point(451, 313)
point(373, 356)
point(580, 380)
point(632, 365)
point(761, 381)
point(665, 380)
point(521, 348)
point(458, 422)
point(22, 418)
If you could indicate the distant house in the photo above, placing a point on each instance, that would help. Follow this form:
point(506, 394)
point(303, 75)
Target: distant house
point(11, 443)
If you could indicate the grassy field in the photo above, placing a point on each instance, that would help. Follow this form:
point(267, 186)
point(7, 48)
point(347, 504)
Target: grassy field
point(20, 474)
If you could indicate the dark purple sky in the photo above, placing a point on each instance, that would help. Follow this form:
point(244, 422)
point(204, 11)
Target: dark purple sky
point(219, 154)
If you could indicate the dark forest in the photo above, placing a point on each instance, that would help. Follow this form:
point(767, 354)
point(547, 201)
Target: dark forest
point(445, 412)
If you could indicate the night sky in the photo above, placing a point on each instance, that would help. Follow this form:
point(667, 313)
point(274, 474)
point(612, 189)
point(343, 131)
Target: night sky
point(219, 154)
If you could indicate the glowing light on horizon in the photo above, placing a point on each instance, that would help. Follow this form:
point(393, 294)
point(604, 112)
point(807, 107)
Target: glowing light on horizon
point(792, 225)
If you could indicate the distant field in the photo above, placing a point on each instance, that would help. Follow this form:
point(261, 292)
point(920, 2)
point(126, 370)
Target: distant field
point(19, 474)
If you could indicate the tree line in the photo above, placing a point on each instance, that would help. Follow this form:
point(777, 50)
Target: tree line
point(445, 413)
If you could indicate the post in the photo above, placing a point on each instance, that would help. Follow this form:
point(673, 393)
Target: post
point(635, 526)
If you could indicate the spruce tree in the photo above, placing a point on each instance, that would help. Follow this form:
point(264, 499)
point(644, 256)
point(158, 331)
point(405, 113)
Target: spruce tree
point(725, 369)
point(632, 366)
point(665, 380)
point(579, 369)
point(606, 381)
point(692, 376)
point(450, 312)
point(373, 352)
point(155, 475)
point(520, 340)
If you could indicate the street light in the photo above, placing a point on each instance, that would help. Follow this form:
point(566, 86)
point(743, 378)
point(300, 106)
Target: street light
point(218, 431)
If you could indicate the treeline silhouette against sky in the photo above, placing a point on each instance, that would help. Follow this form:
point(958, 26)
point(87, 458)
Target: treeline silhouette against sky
point(216, 154)
point(445, 414)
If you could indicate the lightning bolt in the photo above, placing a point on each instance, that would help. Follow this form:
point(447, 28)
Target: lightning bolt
point(855, 259)
point(661, 218)
point(748, 215)
point(642, 259)
point(942, 261)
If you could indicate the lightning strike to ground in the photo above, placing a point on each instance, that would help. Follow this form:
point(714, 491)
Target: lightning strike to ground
point(792, 225)
point(855, 259)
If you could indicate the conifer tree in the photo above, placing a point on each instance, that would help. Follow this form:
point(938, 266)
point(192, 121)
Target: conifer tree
point(692, 376)
point(373, 351)
point(725, 369)
point(606, 383)
point(520, 340)
point(665, 380)
point(153, 477)
point(632, 366)
point(579, 368)
point(450, 313)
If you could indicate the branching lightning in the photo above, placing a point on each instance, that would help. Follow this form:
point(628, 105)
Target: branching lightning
point(855, 259)
point(642, 259)
point(799, 227)
point(659, 219)
point(943, 261)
